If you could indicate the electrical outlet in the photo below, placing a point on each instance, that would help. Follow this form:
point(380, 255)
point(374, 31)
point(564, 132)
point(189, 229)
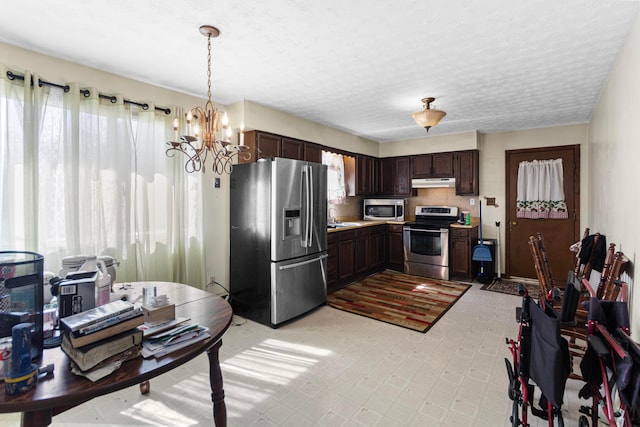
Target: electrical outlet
point(212, 279)
point(216, 182)
point(472, 201)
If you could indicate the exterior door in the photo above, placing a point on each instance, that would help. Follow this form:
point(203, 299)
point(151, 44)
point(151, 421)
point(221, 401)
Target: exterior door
point(558, 234)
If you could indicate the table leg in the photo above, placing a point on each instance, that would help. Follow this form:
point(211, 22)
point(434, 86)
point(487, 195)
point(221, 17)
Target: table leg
point(145, 386)
point(37, 418)
point(217, 392)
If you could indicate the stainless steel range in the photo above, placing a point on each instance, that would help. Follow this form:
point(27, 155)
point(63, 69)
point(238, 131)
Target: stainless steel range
point(426, 241)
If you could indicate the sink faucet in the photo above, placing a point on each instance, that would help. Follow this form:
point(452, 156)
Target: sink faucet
point(332, 218)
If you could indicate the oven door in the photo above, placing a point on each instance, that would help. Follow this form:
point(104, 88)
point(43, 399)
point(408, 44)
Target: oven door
point(427, 246)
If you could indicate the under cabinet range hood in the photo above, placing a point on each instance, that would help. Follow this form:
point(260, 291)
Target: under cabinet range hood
point(433, 183)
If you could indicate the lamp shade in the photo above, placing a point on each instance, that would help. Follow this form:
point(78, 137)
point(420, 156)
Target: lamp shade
point(428, 118)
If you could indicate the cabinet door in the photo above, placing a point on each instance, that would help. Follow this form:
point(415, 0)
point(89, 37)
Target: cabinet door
point(362, 252)
point(332, 262)
point(403, 176)
point(364, 176)
point(395, 251)
point(386, 174)
point(421, 166)
point(346, 255)
point(376, 248)
point(292, 149)
point(442, 166)
point(460, 257)
point(467, 173)
point(312, 152)
point(267, 146)
point(462, 242)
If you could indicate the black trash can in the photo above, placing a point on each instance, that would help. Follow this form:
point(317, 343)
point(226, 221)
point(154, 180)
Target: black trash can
point(488, 267)
point(21, 295)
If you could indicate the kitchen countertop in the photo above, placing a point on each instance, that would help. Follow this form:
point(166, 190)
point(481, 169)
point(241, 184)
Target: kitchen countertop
point(475, 222)
point(360, 223)
point(472, 225)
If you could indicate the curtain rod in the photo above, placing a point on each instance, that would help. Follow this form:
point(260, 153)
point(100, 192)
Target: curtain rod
point(86, 92)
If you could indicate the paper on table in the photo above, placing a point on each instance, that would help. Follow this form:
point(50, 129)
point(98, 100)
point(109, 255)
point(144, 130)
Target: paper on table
point(150, 329)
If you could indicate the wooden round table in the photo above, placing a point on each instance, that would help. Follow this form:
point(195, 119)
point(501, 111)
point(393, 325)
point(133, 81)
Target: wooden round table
point(63, 390)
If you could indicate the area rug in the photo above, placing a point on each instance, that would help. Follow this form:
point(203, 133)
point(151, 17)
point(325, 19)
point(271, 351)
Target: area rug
point(510, 286)
point(412, 302)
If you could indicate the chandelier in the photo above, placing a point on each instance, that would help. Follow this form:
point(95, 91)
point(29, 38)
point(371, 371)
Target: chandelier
point(203, 125)
point(428, 118)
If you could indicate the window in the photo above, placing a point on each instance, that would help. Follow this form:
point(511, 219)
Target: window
point(83, 175)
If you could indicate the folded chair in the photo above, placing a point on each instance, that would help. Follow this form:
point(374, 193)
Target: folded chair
point(574, 314)
point(575, 334)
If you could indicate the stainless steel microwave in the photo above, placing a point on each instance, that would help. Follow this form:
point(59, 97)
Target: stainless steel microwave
point(384, 209)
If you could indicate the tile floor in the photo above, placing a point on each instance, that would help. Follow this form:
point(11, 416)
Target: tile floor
point(333, 368)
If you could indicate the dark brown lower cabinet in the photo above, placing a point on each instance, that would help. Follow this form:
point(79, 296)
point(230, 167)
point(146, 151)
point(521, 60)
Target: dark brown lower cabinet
point(332, 262)
point(395, 250)
point(346, 255)
point(356, 253)
point(362, 250)
point(375, 255)
point(461, 244)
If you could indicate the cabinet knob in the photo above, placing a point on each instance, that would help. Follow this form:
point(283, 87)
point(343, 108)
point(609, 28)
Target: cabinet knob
point(514, 222)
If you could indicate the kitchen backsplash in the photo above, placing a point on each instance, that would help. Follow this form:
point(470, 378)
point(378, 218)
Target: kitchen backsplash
point(351, 209)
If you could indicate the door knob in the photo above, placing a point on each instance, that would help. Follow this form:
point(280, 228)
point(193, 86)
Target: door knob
point(514, 222)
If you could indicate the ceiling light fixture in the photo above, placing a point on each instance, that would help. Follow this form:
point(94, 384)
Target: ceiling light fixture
point(428, 118)
point(200, 139)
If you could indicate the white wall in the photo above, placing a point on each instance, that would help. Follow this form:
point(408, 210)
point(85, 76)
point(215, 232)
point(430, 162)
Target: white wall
point(430, 144)
point(614, 145)
point(267, 119)
point(59, 71)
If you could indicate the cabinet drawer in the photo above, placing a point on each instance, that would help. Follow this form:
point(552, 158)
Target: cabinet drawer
point(394, 228)
point(459, 232)
point(332, 238)
point(363, 232)
point(346, 235)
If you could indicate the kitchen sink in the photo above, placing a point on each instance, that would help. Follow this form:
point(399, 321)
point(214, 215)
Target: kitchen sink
point(343, 224)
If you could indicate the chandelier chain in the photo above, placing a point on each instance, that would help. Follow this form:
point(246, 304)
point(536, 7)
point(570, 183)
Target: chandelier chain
point(209, 67)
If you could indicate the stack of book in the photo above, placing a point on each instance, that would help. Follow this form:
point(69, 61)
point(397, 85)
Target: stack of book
point(102, 336)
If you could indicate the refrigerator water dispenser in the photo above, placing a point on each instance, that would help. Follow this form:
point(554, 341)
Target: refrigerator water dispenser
point(292, 223)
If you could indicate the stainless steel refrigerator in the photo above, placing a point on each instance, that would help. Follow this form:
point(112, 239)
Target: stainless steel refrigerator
point(278, 239)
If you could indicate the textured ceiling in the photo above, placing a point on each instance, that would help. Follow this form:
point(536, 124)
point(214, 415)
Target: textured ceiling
point(493, 65)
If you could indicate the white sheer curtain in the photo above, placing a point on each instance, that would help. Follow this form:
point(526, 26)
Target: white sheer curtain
point(83, 175)
point(540, 190)
point(336, 187)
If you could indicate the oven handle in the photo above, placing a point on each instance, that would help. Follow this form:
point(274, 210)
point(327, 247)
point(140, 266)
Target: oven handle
point(442, 230)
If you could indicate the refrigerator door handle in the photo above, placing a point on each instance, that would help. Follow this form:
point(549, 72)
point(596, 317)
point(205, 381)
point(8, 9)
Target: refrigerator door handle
point(311, 204)
point(298, 264)
point(306, 207)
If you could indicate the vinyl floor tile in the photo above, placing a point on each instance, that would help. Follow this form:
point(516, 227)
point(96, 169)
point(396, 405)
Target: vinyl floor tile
point(332, 368)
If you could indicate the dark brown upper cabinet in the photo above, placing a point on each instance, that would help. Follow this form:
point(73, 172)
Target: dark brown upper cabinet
point(292, 149)
point(467, 173)
point(437, 165)
point(365, 178)
point(312, 152)
point(261, 145)
point(394, 176)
